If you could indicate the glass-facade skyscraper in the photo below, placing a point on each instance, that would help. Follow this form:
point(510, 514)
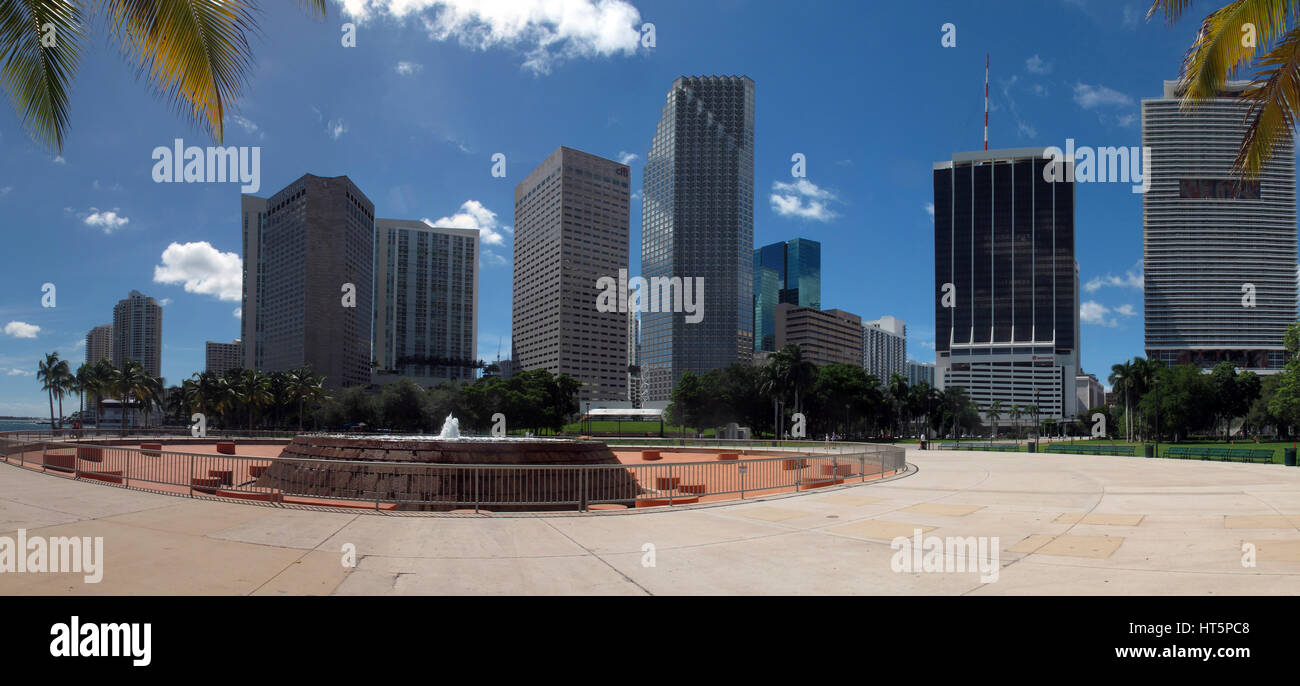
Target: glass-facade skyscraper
point(787, 272)
point(697, 220)
point(1006, 281)
point(1208, 238)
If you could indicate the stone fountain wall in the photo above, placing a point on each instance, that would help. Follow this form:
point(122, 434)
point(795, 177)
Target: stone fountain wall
point(408, 471)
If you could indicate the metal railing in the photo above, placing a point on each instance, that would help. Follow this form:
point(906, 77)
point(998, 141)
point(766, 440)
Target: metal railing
point(414, 485)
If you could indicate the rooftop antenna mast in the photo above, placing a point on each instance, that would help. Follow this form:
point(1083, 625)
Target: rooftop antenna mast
point(986, 101)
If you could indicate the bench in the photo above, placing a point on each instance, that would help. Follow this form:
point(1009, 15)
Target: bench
point(226, 447)
point(257, 470)
point(650, 455)
point(151, 449)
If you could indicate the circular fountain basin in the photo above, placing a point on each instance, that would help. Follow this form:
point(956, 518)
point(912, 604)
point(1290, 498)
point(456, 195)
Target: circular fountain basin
point(421, 472)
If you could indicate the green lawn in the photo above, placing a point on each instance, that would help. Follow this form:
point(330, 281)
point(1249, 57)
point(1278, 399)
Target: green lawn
point(1276, 446)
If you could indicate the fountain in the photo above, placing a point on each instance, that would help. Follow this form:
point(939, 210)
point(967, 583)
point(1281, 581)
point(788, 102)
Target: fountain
point(450, 428)
point(406, 469)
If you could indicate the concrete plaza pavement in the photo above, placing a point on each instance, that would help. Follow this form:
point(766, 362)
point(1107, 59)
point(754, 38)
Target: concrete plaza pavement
point(1065, 524)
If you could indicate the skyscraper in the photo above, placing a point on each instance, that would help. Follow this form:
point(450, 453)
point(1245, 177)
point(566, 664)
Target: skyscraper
point(1219, 256)
point(571, 230)
point(786, 272)
point(884, 348)
point(697, 221)
point(222, 357)
point(99, 344)
point(1006, 282)
point(426, 300)
point(311, 260)
point(137, 332)
point(251, 210)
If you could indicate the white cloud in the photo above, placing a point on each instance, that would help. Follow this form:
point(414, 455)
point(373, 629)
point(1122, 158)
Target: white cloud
point(21, 330)
point(1132, 278)
point(1036, 65)
point(802, 199)
point(58, 159)
point(1089, 97)
point(1132, 15)
point(490, 259)
point(1092, 312)
point(19, 372)
point(203, 269)
point(248, 126)
point(929, 209)
point(626, 157)
point(109, 221)
point(1128, 119)
point(5, 191)
point(165, 302)
point(547, 32)
point(473, 215)
point(336, 128)
point(239, 312)
point(408, 68)
point(1026, 130)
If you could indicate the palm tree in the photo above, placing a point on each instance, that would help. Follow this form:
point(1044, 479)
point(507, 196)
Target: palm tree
point(64, 383)
point(1016, 413)
point(131, 381)
point(250, 386)
point(98, 383)
point(1219, 51)
point(81, 382)
point(994, 412)
point(196, 53)
point(306, 386)
point(1121, 378)
point(897, 392)
point(48, 374)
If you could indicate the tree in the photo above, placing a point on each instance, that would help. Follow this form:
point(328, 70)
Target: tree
point(131, 381)
point(306, 387)
point(1220, 51)
point(48, 374)
point(994, 412)
point(1121, 381)
point(402, 405)
point(195, 53)
point(688, 400)
point(1016, 413)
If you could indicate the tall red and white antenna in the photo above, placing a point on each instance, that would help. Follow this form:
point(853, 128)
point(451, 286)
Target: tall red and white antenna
point(986, 101)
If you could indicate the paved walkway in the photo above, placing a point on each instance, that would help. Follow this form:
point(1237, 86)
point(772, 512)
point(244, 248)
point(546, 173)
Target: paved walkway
point(1065, 525)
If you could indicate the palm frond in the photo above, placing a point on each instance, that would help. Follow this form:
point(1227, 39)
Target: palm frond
point(1275, 101)
point(315, 8)
point(1173, 9)
point(36, 73)
point(1219, 50)
point(195, 52)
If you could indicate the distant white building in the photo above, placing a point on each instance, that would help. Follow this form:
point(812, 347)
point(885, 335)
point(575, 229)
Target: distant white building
point(884, 348)
point(1089, 391)
point(918, 372)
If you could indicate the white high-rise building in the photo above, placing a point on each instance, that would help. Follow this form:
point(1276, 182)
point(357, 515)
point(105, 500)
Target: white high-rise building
point(884, 348)
point(426, 302)
point(1219, 253)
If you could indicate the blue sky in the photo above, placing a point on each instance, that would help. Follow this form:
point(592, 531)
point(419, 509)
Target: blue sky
point(414, 113)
